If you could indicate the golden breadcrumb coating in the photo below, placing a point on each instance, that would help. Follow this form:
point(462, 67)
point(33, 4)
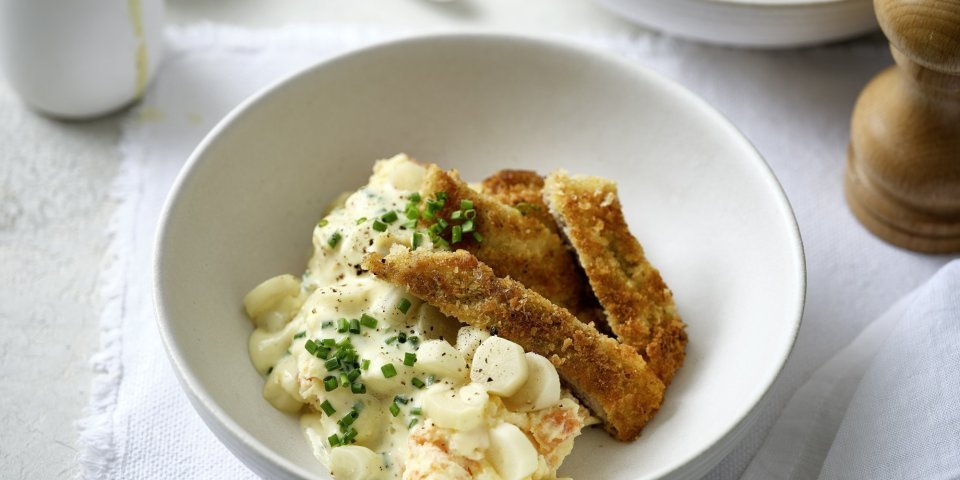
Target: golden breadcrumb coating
point(521, 189)
point(513, 245)
point(638, 304)
point(610, 378)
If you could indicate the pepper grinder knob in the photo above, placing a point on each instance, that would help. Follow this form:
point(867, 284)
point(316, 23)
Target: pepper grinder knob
point(903, 161)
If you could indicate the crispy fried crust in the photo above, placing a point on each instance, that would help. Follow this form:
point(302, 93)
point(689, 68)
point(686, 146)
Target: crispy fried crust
point(610, 378)
point(638, 304)
point(513, 245)
point(521, 189)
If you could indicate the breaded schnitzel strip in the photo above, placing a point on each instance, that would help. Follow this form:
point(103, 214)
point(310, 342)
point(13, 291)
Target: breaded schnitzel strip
point(521, 189)
point(610, 378)
point(638, 304)
point(513, 245)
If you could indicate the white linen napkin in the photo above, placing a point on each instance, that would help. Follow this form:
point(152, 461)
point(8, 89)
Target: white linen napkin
point(886, 406)
point(794, 105)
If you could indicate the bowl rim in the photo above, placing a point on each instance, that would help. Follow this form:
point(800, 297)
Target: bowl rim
point(240, 442)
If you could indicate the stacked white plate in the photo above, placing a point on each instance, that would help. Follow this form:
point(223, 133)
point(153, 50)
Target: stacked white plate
point(752, 23)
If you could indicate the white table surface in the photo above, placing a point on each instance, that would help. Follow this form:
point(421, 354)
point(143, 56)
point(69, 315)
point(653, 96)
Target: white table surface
point(55, 179)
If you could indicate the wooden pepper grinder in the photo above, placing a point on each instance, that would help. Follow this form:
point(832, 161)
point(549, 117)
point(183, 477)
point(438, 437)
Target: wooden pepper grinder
point(903, 163)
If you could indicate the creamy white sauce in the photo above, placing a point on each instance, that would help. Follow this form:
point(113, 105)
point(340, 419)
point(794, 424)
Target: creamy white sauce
point(434, 392)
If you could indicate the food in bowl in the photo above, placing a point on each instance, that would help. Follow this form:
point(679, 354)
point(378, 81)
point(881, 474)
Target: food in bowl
point(448, 331)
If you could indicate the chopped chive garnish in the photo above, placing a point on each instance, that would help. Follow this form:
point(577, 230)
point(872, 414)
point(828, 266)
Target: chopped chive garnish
point(353, 375)
point(389, 370)
point(311, 347)
point(477, 237)
point(415, 197)
point(412, 212)
point(456, 215)
point(348, 419)
point(329, 342)
point(401, 399)
point(354, 326)
point(322, 352)
point(390, 340)
point(361, 220)
point(365, 364)
point(300, 335)
point(350, 435)
point(410, 225)
point(414, 340)
point(409, 359)
point(330, 383)
point(442, 224)
point(402, 337)
point(326, 324)
point(441, 196)
point(466, 204)
point(394, 409)
point(379, 226)
point(470, 214)
point(327, 408)
point(334, 440)
point(342, 325)
point(456, 234)
point(416, 411)
point(368, 321)
point(389, 217)
point(468, 226)
point(344, 381)
point(417, 239)
point(403, 305)
point(344, 342)
point(358, 388)
point(334, 239)
point(412, 423)
point(418, 383)
point(435, 229)
point(358, 406)
point(332, 364)
point(431, 379)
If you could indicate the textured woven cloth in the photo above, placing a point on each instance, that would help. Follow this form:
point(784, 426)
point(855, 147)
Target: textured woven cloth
point(886, 405)
point(794, 106)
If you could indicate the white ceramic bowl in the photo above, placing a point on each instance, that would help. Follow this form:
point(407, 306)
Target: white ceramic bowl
point(700, 198)
point(752, 23)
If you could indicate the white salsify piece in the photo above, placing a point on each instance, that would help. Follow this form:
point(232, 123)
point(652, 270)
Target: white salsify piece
point(441, 359)
point(468, 339)
point(511, 453)
point(353, 462)
point(542, 388)
point(500, 366)
point(456, 409)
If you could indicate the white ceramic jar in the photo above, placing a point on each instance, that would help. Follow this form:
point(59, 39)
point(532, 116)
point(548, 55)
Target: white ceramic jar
point(78, 60)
